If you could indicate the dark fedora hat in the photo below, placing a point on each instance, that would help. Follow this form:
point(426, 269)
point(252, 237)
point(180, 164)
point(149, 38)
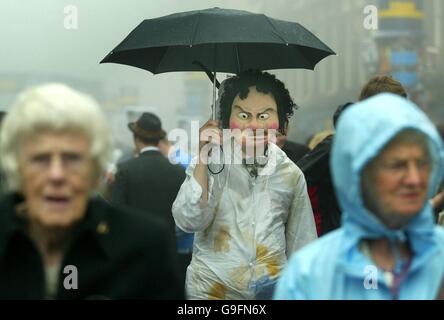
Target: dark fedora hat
point(147, 126)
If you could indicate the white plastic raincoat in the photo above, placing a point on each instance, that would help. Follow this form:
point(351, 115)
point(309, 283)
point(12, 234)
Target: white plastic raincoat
point(246, 230)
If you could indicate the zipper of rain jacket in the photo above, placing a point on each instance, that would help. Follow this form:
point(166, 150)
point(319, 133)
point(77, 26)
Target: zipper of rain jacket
point(397, 278)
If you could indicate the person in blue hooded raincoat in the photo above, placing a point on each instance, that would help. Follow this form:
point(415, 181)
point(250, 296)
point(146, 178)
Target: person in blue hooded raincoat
point(387, 161)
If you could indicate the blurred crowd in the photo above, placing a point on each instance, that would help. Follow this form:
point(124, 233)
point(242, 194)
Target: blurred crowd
point(353, 214)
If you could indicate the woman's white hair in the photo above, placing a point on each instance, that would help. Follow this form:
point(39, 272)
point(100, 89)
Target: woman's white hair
point(52, 107)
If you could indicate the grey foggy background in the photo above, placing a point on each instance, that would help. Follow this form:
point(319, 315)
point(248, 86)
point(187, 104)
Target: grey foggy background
point(37, 48)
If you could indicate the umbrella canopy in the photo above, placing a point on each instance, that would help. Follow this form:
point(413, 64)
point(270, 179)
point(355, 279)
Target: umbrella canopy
point(218, 40)
point(222, 40)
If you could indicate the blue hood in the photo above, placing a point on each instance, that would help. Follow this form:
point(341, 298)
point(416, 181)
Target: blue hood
point(362, 131)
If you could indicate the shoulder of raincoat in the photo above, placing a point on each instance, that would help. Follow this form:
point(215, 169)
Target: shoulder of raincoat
point(334, 267)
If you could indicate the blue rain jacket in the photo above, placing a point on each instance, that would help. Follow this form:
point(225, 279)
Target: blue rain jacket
point(334, 267)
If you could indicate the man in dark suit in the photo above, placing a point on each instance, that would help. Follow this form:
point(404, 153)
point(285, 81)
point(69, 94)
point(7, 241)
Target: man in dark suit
point(149, 181)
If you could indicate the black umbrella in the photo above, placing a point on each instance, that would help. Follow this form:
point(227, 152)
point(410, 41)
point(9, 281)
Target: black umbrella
point(218, 40)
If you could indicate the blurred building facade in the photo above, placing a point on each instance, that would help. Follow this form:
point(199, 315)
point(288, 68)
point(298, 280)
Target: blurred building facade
point(433, 67)
point(336, 79)
point(407, 45)
point(11, 84)
point(409, 40)
point(114, 99)
point(197, 100)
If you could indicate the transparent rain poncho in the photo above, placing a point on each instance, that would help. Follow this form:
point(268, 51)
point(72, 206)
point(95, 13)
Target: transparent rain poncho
point(247, 229)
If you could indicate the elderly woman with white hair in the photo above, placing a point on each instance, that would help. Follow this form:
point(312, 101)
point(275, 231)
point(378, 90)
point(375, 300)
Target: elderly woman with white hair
point(57, 240)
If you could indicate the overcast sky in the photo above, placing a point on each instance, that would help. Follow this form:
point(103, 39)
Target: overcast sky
point(34, 39)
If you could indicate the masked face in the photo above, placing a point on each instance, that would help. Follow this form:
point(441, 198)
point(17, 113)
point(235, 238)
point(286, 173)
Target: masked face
point(57, 175)
point(254, 116)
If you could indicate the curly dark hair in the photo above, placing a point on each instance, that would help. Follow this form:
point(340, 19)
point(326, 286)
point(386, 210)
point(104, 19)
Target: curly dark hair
point(265, 83)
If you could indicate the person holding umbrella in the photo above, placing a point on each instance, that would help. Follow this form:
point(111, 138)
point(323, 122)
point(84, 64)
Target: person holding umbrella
point(248, 217)
point(267, 216)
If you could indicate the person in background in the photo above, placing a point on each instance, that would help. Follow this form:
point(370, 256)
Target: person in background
point(315, 163)
point(379, 84)
point(293, 150)
point(57, 239)
point(149, 181)
point(386, 161)
point(184, 240)
point(316, 169)
point(174, 154)
point(317, 138)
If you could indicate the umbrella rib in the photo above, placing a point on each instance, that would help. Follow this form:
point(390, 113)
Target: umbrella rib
point(160, 61)
point(237, 58)
point(274, 29)
point(195, 28)
point(308, 59)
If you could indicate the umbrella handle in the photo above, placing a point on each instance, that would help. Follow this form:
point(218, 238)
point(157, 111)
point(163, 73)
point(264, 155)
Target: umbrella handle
point(214, 115)
point(216, 84)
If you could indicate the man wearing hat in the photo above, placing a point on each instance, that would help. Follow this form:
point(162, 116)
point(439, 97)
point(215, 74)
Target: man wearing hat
point(148, 181)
